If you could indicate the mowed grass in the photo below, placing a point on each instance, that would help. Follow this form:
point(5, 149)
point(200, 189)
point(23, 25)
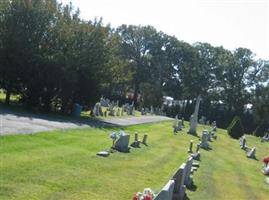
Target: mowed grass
point(64, 165)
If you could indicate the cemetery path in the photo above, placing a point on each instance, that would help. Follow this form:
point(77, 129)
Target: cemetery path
point(128, 121)
point(13, 122)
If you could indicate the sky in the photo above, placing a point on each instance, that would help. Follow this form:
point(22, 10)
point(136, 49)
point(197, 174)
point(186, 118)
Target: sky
point(227, 23)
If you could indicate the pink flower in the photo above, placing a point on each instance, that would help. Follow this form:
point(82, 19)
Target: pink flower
point(147, 197)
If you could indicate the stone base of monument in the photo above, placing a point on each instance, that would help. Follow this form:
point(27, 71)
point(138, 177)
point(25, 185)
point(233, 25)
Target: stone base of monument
point(196, 164)
point(136, 144)
point(194, 169)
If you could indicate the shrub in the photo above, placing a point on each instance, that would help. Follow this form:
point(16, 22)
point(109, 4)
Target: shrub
point(236, 129)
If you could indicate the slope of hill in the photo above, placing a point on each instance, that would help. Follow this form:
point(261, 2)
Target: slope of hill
point(64, 165)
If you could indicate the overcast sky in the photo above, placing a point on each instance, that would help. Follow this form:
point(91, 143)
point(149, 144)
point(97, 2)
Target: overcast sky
point(227, 23)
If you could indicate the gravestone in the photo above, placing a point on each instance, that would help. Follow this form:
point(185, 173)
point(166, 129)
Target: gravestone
point(179, 126)
point(151, 110)
point(179, 188)
point(188, 179)
point(194, 117)
point(118, 112)
point(143, 111)
point(190, 147)
point(136, 142)
point(183, 122)
point(122, 111)
point(77, 110)
point(265, 137)
point(167, 191)
point(204, 140)
point(197, 148)
point(209, 137)
point(251, 153)
point(122, 144)
point(175, 125)
point(243, 143)
point(214, 126)
point(202, 120)
point(144, 141)
point(96, 109)
point(133, 111)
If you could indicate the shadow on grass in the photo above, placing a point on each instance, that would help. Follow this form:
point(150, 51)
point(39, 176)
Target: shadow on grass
point(207, 149)
point(254, 159)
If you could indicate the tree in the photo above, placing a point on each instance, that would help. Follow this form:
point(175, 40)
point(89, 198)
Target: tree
point(136, 42)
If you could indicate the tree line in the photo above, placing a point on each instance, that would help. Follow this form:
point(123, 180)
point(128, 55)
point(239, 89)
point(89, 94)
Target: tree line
point(52, 59)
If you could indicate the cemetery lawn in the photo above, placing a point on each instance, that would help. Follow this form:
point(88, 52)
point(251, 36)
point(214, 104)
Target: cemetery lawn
point(64, 165)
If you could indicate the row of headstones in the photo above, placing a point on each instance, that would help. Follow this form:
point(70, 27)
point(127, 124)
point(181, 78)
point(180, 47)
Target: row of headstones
point(175, 188)
point(112, 110)
point(122, 144)
point(106, 102)
point(152, 111)
point(207, 136)
point(250, 152)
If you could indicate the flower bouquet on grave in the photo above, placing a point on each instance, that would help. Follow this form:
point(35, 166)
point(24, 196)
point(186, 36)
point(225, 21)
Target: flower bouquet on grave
point(147, 194)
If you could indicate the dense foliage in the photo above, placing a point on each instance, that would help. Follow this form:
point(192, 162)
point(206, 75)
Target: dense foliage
point(52, 59)
point(236, 129)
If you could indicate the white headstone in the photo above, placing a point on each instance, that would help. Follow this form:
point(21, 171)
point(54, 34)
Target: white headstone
point(194, 117)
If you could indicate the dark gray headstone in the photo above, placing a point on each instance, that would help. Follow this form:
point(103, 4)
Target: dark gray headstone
point(188, 179)
point(122, 144)
point(167, 191)
point(179, 188)
point(145, 137)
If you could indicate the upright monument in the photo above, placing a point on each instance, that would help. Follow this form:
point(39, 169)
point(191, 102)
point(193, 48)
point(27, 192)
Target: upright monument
point(194, 117)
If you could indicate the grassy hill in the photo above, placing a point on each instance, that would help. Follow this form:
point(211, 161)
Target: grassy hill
point(64, 165)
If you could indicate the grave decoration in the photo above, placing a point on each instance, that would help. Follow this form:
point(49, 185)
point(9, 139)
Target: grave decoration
point(147, 194)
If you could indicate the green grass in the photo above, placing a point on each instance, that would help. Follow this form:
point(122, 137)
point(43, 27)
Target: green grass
point(64, 165)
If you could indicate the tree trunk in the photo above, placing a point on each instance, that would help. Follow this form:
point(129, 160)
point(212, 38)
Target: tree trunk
point(7, 100)
point(135, 97)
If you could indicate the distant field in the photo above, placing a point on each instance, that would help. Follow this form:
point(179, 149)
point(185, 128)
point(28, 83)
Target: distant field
point(63, 165)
